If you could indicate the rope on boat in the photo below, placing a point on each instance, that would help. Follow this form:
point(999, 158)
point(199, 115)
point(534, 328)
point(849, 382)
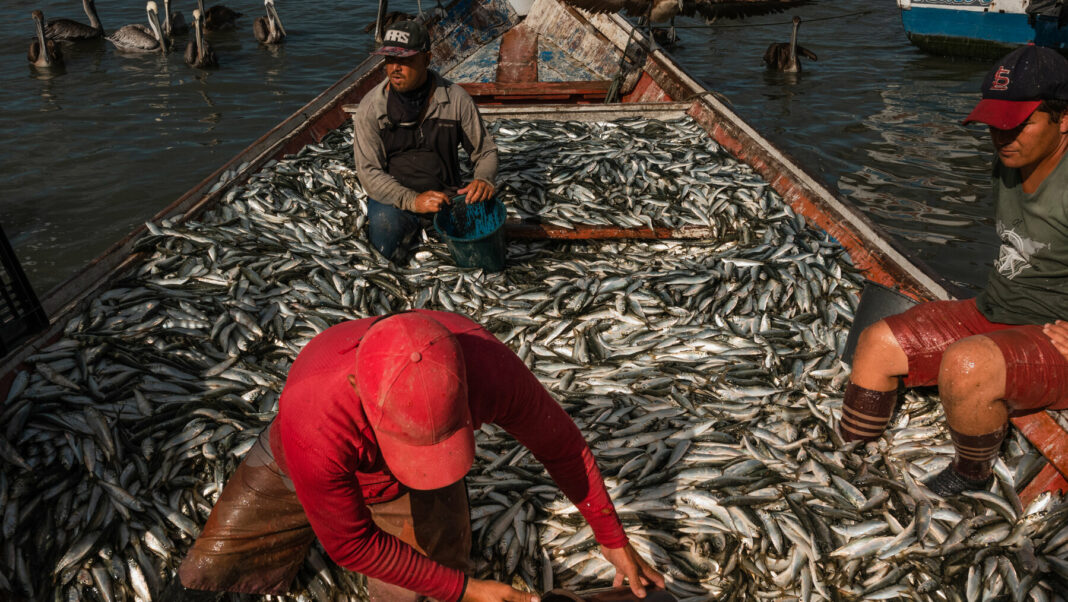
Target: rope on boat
point(615, 90)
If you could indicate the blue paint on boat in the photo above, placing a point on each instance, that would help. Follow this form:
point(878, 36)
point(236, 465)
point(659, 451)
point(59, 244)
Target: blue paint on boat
point(557, 65)
point(976, 28)
point(479, 67)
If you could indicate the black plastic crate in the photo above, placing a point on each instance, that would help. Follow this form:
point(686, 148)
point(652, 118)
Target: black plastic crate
point(21, 314)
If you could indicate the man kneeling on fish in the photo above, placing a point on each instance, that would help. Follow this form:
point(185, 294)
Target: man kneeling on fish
point(374, 434)
point(407, 134)
point(1003, 352)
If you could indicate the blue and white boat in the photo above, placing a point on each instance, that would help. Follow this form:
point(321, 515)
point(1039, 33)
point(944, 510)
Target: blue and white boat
point(983, 28)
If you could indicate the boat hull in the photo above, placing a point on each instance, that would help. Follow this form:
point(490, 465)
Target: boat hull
point(979, 29)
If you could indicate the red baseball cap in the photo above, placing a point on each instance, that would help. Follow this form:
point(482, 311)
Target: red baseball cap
point(1018, 84)
point(412, 383)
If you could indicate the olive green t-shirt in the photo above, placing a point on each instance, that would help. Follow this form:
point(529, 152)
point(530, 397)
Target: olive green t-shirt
point(1028, 283)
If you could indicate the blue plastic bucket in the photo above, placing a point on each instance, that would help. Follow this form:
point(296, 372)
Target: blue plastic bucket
point(474, 233)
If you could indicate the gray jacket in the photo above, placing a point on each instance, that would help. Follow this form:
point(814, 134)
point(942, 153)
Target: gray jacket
point(451, 112)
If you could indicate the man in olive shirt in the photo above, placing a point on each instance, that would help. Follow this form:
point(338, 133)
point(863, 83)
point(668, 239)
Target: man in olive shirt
point(408, 130)
point(1004, 352)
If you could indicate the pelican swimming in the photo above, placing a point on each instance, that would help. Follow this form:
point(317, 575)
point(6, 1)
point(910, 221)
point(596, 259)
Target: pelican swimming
point(173, 22)
point(138, 38)
point(783, 56)
point(67, 30)
point(218, 17)
point(198, 52)
point(269, 29)
point(43, 53)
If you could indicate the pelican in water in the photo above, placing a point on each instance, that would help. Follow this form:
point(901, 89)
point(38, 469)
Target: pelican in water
point(269, 29)
point(218, 17)
point(783, 56)
point(67, 30)
point(173, 22)
point(138, 38)
point(43, 53)
point(198, 52)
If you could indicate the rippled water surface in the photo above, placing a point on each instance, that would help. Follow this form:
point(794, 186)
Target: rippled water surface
point(95, 149)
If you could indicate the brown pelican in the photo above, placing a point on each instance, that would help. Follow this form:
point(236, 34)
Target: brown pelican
point(269, 29)
point(138, 38)
point(783, 56)
point(173, 22)
point(218, 17)
point(198, 52)
point(43, 53)
point(66, 30)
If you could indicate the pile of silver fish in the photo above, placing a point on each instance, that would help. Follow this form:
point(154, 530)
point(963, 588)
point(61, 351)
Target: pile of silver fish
point(704, 374)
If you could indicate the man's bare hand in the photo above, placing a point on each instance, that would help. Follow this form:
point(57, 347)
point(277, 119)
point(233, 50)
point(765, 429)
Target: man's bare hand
point(632, 567)
point(477, 191)
point(493, 591)
point(1058, 333)
point(430, 201)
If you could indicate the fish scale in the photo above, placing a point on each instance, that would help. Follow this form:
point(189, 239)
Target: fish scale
point(695, 343)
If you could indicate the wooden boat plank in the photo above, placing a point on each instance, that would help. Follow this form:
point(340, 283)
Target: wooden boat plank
point(469, 26)
point(1048, 479)
point(1048, 436)
point(518, 60)
point(526, 230)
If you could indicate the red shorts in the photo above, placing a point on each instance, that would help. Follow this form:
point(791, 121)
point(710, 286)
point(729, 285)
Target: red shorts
point(1036, 374)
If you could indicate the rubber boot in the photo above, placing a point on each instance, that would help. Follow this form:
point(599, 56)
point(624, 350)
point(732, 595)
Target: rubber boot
point(971, 467)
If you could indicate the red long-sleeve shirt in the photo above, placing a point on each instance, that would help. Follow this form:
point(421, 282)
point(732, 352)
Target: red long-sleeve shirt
point(323, 442)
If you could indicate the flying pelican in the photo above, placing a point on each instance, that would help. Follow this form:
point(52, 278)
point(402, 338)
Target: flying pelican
point(138, 38)
point(173, 22)
point(783, 56)
point(198, 52)
point(269, 29)
point(43, 53)
point(67, 30)
point(218, 17)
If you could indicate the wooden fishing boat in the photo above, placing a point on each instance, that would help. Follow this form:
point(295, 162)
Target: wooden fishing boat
point(981, 28)
point(553, 61)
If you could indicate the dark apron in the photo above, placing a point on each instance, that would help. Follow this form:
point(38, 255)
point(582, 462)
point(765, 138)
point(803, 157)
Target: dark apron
point(258, 536)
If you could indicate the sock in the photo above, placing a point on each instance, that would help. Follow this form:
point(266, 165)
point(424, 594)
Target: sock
point(976, 453)
point(865, 413)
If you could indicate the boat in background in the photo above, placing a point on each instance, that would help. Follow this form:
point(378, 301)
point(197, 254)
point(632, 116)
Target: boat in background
point(982, 29)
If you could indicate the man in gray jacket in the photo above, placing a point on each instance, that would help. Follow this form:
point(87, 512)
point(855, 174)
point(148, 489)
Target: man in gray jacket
point(407, 134)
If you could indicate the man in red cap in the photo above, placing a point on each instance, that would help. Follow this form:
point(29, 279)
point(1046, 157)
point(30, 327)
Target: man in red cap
point(374, 434)
point(1003, 352)
point(407, 133)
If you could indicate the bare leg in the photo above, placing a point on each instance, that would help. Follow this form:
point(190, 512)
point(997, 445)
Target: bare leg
point(971, 382)
point(879, 360)
point(869, 399)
